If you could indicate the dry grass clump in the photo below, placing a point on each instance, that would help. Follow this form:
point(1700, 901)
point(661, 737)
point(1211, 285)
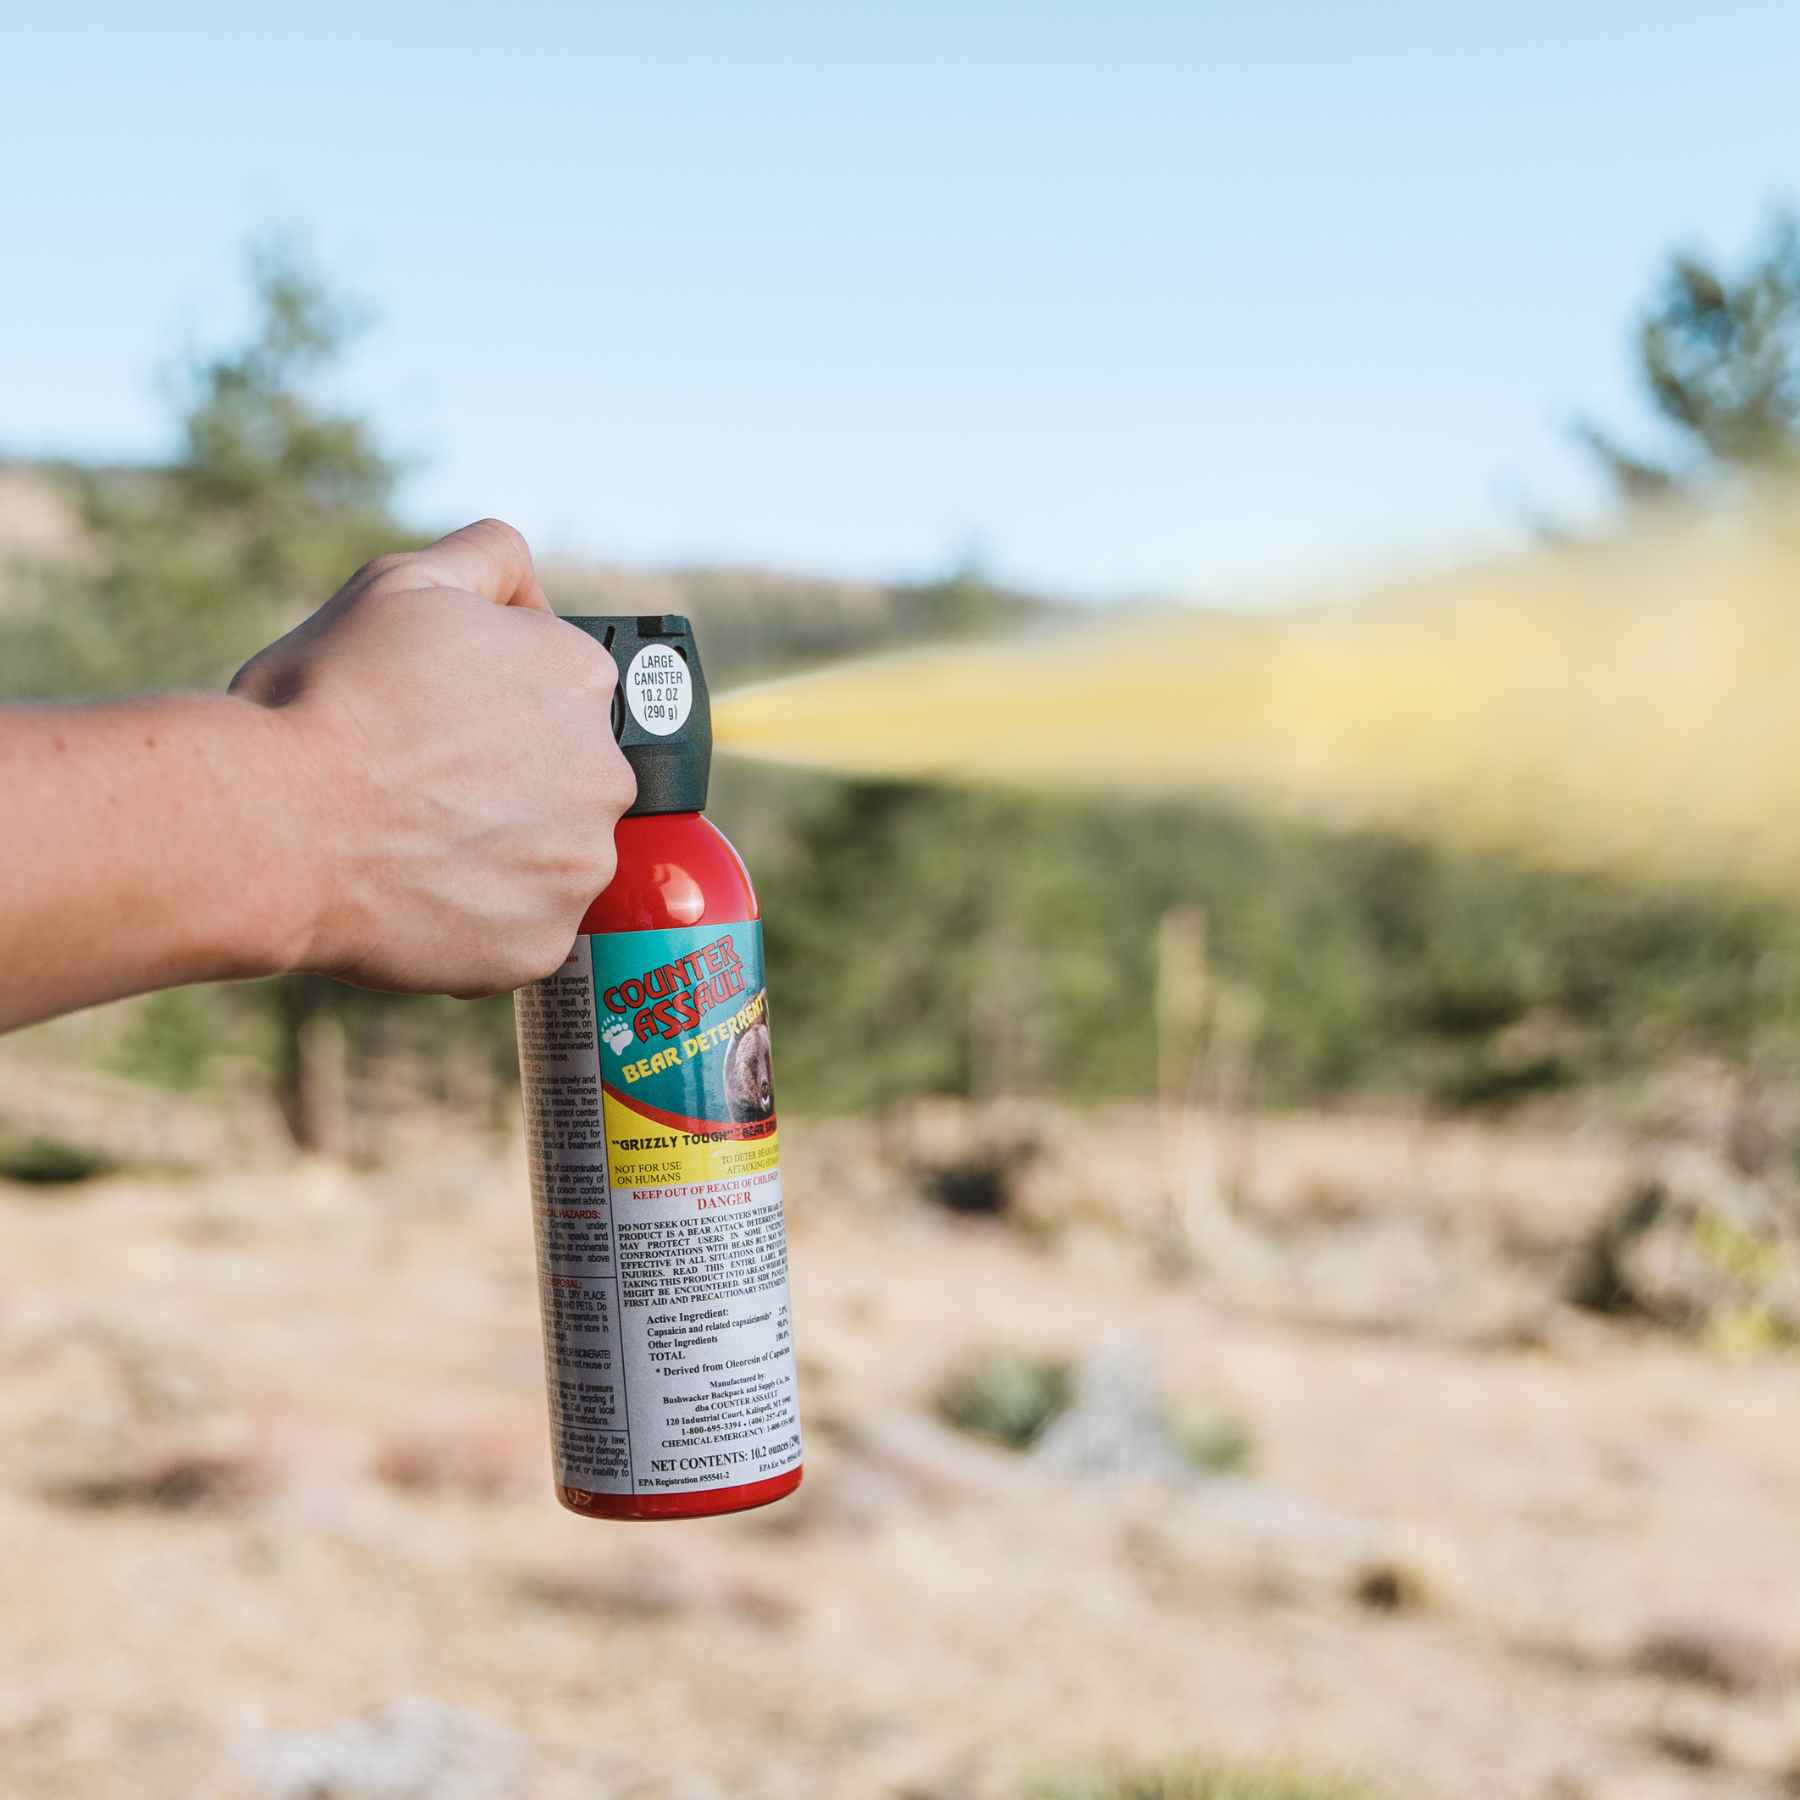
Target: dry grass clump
point(1198, 1779)
point(175, 1481)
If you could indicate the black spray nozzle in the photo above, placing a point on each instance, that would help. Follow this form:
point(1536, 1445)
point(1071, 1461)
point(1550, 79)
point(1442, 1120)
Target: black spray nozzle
point(661, 716)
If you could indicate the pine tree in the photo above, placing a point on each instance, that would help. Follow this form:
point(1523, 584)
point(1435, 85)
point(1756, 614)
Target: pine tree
point(1719, 355)
point(188, 567)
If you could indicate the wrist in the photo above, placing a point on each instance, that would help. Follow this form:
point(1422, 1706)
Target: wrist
point(284, 904)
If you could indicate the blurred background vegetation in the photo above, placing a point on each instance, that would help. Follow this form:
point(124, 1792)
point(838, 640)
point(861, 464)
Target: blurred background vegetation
point(971, 942)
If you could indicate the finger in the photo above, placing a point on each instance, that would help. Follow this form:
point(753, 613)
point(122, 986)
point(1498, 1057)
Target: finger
point(488, 558)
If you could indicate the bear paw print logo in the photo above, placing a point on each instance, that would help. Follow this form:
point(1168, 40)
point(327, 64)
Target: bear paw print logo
point(616, 1032)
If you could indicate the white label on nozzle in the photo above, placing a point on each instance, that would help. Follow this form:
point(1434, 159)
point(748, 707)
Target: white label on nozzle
point(659, 690)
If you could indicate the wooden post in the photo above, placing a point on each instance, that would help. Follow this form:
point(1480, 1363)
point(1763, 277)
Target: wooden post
point(1181, 1001)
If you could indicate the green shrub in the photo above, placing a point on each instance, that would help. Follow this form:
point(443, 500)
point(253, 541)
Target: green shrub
point(48, 1162)
point(1210, 1439)
point(169, 1037)
point(1005, 1396)
point(967, 942)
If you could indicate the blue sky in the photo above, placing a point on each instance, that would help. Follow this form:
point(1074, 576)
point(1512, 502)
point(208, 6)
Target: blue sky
point(1207, 300)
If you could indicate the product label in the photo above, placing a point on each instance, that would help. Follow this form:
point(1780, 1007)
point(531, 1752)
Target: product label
point(662, 1250)
point(659, 690)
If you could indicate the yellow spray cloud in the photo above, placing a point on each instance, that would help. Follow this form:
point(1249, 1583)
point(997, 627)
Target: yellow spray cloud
point(1630, 705)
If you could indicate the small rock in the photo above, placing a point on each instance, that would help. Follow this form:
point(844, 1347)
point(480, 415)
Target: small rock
point(1395, 1584)
point(413, 1749)
point(1732, 1655)
point(1694, 1248)
point(1115, 1424)
point(1682, 1744)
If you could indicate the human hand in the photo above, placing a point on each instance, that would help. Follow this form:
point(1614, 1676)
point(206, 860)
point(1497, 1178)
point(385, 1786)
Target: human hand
point(454, 778)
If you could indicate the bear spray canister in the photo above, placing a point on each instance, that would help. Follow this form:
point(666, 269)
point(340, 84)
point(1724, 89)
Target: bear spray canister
point(651, 1131)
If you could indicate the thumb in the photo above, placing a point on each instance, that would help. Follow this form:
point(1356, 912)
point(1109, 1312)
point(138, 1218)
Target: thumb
point(488, 558)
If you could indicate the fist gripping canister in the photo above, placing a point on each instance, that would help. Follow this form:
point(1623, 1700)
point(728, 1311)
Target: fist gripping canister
point(651, 1131)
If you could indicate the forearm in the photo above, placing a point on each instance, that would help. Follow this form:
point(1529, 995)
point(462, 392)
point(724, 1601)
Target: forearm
point(147, 843)
point(414, 790)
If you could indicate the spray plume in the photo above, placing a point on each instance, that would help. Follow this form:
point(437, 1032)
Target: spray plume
point(1633, 705)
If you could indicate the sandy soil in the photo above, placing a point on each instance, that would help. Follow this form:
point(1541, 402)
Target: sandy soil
point(275, 1518)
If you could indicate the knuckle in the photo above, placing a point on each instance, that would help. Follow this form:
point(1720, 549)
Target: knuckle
point(614, 792)
point(507, 537)
point(271, 677)
point(587, 871)
point(380, 569)
point(600, 868)
point(544, 955)
point(581, 660)
point(602, 670)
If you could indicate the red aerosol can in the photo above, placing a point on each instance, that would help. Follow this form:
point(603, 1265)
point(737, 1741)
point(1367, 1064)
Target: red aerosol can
point(651, 1131)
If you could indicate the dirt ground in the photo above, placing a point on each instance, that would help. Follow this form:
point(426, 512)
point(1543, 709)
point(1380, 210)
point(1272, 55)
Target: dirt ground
point(275, 1516)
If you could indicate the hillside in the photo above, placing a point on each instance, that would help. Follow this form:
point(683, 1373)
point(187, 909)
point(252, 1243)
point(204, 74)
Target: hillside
point(750, 619)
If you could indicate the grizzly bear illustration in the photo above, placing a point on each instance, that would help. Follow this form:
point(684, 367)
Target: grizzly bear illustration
point(750, 1076)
